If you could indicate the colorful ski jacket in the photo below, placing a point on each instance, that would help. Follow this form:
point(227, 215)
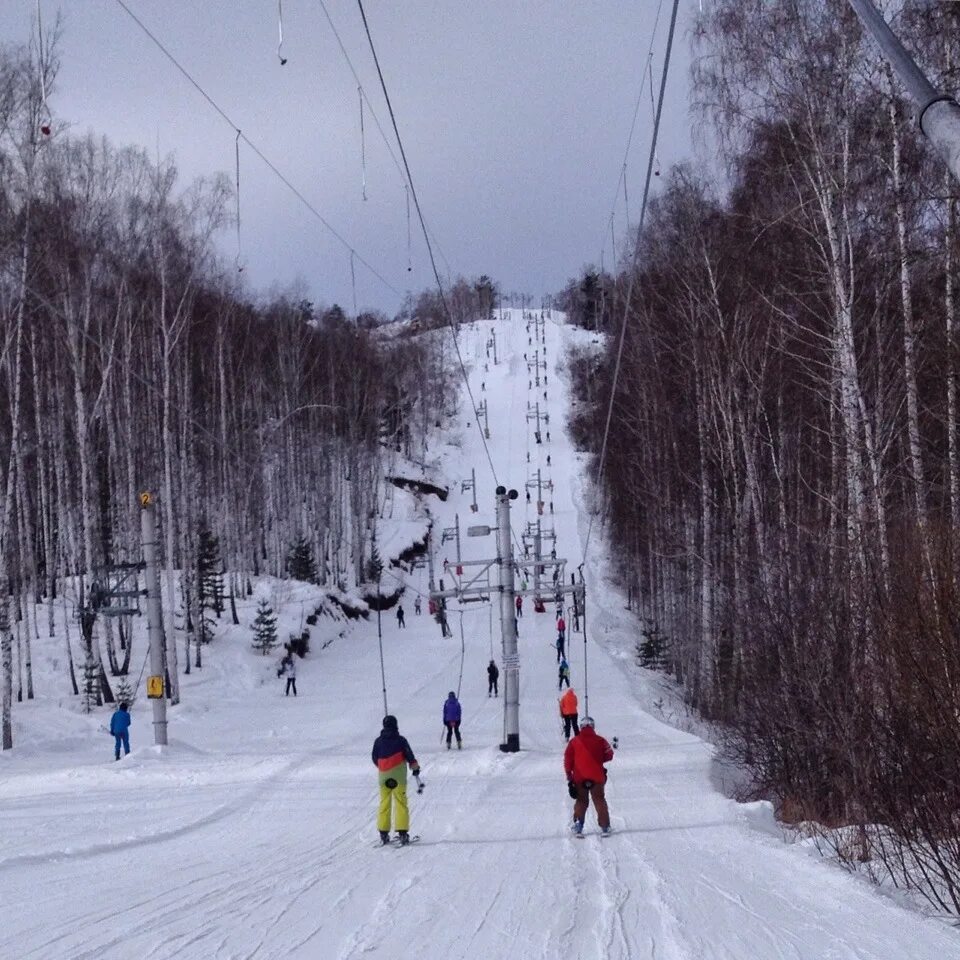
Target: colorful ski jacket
point(585, 756)
point(391, 754)
point(451, 710)
point(119, 722)
point(568, 703)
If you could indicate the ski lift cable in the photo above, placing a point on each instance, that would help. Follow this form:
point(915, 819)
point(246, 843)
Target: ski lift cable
point(383, 672)
point(379, 126)
point(45, 128)
point(363, 148)
point(239, 256)
point(653, 112)
point(633, 271)
point(463, 654)
point(280, 55)
point(426, 235)
point(406, 190)
point(633, 123)
point(253, 146)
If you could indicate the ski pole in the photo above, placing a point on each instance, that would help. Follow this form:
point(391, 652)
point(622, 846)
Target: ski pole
point(420, 783)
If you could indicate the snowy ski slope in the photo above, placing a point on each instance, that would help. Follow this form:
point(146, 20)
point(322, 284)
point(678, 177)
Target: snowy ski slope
point(253, 836)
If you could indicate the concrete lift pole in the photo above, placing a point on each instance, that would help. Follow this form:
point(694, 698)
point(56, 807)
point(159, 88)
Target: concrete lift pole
point(508, 625)
point(155, 682)
point(938, 113)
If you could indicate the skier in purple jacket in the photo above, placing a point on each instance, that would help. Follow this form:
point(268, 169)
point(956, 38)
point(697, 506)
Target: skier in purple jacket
point(451, 719)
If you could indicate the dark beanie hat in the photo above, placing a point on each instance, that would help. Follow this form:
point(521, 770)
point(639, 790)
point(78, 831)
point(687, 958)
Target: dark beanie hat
point(389, 722)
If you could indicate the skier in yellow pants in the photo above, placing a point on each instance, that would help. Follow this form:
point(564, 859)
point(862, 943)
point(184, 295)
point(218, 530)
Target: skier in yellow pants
point(391, 755)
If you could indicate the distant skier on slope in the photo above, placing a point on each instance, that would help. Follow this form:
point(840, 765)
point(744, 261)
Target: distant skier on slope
point(568, 712)
point(563, 677)
point(493, 675)
point(400, 620)
point(120, 728)
point(391, 756)
point(289, 669)
point(416, 605)
point(583, 762)
point(519, 605)
point(451, 718)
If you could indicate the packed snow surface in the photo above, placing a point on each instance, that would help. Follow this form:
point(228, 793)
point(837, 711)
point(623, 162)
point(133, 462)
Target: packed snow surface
point(253, 834)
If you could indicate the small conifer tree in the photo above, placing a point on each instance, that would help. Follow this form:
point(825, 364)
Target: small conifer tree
point(652, 650)
point(264, 628)
point(300, 562)
point(374, 564)
point(209, 582)
point(125, 692)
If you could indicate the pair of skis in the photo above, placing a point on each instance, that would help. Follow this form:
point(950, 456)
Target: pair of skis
point(395, 841)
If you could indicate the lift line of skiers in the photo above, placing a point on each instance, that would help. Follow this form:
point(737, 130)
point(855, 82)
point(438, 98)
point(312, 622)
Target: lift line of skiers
point(583, 759)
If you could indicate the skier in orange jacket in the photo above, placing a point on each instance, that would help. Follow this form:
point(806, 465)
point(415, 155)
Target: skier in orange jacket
point(568, 711)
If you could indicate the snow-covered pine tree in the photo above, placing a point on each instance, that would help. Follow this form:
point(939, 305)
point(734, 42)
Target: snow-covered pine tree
point(209, 582)
point(264, 628)
point(300, 562)
point(125, 691)
point(374, 564)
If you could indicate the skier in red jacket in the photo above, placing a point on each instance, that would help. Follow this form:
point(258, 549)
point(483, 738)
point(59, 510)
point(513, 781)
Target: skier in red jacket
point(583, 762)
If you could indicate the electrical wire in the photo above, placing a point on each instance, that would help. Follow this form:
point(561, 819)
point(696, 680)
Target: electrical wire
point(263, 157)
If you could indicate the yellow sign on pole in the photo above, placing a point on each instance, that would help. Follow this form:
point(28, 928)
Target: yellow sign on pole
point(146, 498)
point(155, 687)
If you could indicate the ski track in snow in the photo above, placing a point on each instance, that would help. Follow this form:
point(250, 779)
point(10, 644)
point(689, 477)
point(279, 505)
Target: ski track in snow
point(253, 837)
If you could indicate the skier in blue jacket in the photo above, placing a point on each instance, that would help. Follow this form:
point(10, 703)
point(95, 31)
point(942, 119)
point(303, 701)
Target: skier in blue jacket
point(120, 728)
point(451, 719)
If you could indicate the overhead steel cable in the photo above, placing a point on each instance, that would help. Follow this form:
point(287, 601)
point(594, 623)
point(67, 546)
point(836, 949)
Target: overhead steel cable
point(376, 119)
point(426, 235)
point(622, 181)
point(633, 270)
point(263, 157)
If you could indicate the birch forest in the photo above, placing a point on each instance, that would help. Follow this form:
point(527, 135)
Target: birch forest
point(133, 359)
point(782, 485)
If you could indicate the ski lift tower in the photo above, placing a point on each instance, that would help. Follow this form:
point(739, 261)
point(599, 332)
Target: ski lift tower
point(506, 587)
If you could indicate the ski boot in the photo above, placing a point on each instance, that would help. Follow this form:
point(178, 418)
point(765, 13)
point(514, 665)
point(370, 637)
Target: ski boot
point(605, 831)
point(384, 837)
point(578, 827)
point(404, 837)
point(459, 745)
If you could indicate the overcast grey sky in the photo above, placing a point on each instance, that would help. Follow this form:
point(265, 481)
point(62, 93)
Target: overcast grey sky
point(514, 115)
